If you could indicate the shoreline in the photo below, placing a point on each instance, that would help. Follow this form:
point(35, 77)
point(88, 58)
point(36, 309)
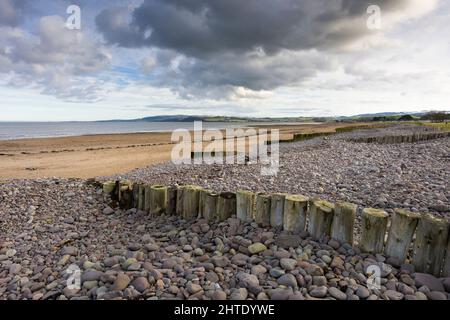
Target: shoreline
point(222, 126)
point(91, 156)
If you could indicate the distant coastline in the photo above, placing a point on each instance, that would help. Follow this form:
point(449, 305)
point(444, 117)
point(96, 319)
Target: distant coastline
point(206, 118)
point(166, 123)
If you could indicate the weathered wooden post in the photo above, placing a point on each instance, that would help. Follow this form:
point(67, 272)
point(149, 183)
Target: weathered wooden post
point(201, 201)
point(134, 203)
point(171, 201)
point(245, 201)
point(320, 218)
point(226, 205)
point(343, 222)
point(147, 198)
point(179, 202)
point(374, 224)
point(210, 206)
point(108, 187)
point(262, 214)
point(430, 244)
point(446, 267)
point(294, 218)
point(141, 198)
point(400, 235)
point(190, 203)
point(277, 209)
point(158, 200)
point(115, 195)
point(125, 195)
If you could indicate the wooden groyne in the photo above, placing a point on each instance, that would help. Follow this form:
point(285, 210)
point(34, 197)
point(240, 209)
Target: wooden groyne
point(404, 138)
point(422, 240)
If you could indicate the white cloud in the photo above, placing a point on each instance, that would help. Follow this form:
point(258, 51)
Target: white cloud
point(56, 59)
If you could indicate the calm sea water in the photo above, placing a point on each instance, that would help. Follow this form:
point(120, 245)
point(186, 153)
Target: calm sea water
point(22, 130)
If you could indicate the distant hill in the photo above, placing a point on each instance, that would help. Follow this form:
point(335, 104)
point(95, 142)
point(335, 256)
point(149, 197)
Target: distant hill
point(386, 114)
point(381, 116)
point(189, 118)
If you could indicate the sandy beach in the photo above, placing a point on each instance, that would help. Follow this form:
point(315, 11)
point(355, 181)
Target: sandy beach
point(101, 155)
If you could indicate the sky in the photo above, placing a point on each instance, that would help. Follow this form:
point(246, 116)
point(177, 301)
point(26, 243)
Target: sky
point(256, 58)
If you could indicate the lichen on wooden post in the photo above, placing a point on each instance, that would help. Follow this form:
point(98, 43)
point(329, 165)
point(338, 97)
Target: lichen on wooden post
point(294, 218)
point(343, 222)
point(374, 224)
point(190, 202)
point(141, 198)
point(245, 205)
point(108, 187)
point(209, 210)
point(400, 235)
point(158, 200)
point(430, 244)
point(226, 205)
point(171, 201)
point(262, 214)
point(320, 218)
point(277, 209)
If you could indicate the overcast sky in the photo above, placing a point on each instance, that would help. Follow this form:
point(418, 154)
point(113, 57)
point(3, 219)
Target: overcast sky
point(221, 57)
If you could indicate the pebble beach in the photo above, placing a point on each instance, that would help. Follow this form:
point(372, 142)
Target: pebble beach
point(50, 226)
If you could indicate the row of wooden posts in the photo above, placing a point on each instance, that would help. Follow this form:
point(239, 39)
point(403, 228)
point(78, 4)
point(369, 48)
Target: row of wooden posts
point(409, 138)
point(426, 235)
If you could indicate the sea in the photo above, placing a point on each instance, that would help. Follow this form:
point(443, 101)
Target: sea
point(26, 130)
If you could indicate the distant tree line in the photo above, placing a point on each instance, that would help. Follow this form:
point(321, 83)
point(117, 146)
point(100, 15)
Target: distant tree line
point(438, 116)
point(435, 116)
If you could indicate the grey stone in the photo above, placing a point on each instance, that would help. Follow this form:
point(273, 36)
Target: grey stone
point(436, 295)
point(140, 284)
point(69, 250)
point(319, 292)
point(220, 261)
point(108, 211)
point(218, 295)
point(362, 292)
point(393, 295)
point(91, 275)
point(337, 294)
point(319, 281)
point(193, 288)
point(238, 294)
point(276, 272)
point(287, 280)
point(281, 294)
point(424, 279)
point(258, 269)
point(239, 259)
point(288, 264)
point(247, 280)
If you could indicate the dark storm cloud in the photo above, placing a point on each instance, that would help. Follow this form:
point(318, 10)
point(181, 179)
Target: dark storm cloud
point(255, 44)
point(202, 27)
point(116, 22)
